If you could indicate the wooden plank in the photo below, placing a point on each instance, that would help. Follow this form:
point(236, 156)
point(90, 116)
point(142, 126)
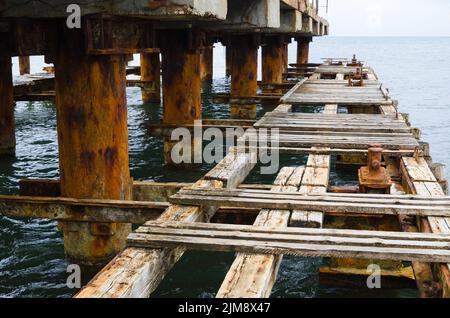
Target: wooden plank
point(345, 203)
point(418, 170)
point(80, 210)
point(314, 243)
point(233, 169)
point(283, 108)
point(138, 272)
point(253, 276)
point(414, 171)
point(292, 91)
point(336, 151)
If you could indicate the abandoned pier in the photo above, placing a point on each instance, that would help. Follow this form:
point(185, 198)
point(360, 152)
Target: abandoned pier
point(336, 111)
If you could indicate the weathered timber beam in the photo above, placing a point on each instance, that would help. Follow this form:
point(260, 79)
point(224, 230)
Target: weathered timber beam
point(165, 130)
point(80, 210)
point(256, 99)
point(315, 181)
point(142, 190)
point(296, 242)
point(418, 178)
point(331, 202)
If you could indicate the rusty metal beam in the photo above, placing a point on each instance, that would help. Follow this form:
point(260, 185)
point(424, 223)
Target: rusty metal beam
point(273, 62)
point(150, 82)
point(206, 64)
point(24, 64)
point(7, 125)
point(244, 67)
point(303, 49)
point(93, 143)
point(181, 81)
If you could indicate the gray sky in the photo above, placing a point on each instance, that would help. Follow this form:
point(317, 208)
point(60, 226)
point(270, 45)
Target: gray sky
point(388, 17)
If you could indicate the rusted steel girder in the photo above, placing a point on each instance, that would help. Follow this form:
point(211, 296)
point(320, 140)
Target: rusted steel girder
point(244, 67)
point(181, 81)
point(93, 143)
point(7, 125)
point(150, 77)
point(228, 61)
point(273, 61)
point(206, 64)
point(285, 56)
point(303, 49)
point(24, 65)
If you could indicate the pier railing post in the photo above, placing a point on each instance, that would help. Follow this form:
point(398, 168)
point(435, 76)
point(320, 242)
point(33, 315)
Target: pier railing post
point(303, 49)
point(244, 68)
point(24, 65)
point(151, 77)
point(93, 143)
point(181, 85)
point(273, 61)
point(206, 64)
point(7, 125)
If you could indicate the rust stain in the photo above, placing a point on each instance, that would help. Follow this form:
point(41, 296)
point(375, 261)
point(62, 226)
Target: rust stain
point(111, 156)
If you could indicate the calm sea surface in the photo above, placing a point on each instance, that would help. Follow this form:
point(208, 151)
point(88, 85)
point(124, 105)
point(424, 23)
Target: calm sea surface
point(417, 71)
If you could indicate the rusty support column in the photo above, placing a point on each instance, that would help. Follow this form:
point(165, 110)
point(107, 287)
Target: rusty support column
point(206, 64)
point(273, 61)
point(93, 144)
point(285, 54)
point(228, 61)
point(151, 77)
point(303, 49)
point(181, 84)
point(24, 65)
point(244, 67)
point(7, 125)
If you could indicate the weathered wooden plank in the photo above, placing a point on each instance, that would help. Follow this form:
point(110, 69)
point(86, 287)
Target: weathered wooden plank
point(338, 151)
point(317, 243)
point(253, 276)
point(80, 210)
point(233, 169)
point(292, 91)
point(283, 108)
point(413, 171)
point(345, 203)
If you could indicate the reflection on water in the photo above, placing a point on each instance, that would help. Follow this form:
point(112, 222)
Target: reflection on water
point(31, 251)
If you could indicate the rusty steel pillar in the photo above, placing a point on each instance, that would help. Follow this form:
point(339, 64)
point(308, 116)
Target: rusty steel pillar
point(244, 67)
point(93, 144)
point(181, 84)
point(273, 61)
point(285, 56)
point(227, 61)
point(24, 65)
point(206, 64)
point(303, 49)
point(151, 77)
point(7, 125)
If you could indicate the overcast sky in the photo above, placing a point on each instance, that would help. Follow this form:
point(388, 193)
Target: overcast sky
point(388, 17)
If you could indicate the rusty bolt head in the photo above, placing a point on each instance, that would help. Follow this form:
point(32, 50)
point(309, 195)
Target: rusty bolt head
point(375, 164)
